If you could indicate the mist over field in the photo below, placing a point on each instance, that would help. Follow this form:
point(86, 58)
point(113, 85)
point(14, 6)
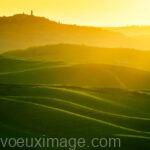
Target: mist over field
point(23, 31)
point(73, 81)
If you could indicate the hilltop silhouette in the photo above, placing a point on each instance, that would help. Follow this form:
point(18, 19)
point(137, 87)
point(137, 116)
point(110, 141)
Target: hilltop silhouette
point(22, 31)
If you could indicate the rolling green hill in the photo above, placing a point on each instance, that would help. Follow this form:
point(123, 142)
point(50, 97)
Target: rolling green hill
point(81, 75)
point(76, 91)
point(83, 54)
point(29, 110)
point(84, 75)
point(8, 65)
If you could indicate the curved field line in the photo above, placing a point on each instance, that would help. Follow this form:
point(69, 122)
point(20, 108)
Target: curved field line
point(88, 95)
point(133, 136)
point(94, 97)
point(78, 115)
point(82, 106)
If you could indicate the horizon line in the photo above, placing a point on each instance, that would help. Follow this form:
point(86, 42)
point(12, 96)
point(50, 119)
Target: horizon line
point(81, 25)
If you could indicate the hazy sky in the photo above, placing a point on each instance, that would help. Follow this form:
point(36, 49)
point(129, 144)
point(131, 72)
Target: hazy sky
point(84, 12)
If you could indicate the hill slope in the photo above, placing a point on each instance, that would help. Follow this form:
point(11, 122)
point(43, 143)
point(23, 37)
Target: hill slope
point(22, 31)
point(96, 75)
point(67, 112)
point(84, 54)
point(58, 99)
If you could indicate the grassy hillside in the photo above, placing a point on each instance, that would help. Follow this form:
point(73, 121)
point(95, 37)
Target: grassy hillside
point(58, 73)
point(76, 91)
point(72, 111)
point(81, 75)
point(8, 65)
point(84, 54)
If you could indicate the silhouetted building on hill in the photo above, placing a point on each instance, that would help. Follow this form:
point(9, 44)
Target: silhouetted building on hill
point(31, 12)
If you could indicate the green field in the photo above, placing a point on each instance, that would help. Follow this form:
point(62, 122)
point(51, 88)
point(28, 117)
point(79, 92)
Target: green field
point(56, 98)
point(34, 110)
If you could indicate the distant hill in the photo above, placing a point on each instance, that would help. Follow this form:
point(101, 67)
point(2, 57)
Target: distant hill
point(77, 65)
point(132, 30)
point(22, 31)
point(87, 75)
point(84, 54)
point(140, 35)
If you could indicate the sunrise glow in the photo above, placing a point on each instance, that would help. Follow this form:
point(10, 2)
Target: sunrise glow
point(84, 12)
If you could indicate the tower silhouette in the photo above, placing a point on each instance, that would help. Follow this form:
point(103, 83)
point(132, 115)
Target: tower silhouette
point(31, 12)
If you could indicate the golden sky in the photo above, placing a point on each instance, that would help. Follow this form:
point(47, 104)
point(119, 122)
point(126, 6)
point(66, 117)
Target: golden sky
point(84, 12)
